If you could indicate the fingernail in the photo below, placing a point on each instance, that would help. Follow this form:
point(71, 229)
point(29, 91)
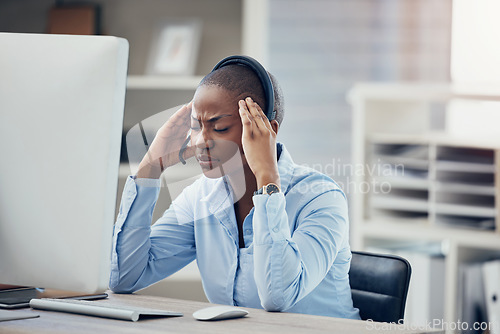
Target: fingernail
point(249, 99)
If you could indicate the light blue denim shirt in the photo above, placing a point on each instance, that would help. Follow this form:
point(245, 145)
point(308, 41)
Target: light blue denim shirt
point(296, 256)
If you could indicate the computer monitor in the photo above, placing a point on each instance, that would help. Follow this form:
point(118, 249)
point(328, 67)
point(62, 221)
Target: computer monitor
point(61, 117)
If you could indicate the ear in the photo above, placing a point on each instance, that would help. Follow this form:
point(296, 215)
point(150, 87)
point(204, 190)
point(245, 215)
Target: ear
point(275, 125)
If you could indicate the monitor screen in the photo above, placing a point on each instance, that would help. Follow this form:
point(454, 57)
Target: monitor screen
point(61, 115)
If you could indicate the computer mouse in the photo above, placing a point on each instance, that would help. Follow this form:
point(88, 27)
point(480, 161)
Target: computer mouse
point(220, 312)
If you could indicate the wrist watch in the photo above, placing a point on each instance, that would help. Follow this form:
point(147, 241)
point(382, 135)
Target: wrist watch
point(268, 189)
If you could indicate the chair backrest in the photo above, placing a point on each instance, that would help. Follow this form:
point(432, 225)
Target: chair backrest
point(379, 285)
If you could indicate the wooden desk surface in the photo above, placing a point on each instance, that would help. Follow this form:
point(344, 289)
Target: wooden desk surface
point(257, 322)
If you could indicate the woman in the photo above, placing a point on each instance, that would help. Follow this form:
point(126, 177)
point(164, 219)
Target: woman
point(265, 232)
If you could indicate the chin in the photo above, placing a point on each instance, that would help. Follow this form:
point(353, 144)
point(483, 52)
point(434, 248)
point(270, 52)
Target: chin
point(234, 167)
point(213, 173)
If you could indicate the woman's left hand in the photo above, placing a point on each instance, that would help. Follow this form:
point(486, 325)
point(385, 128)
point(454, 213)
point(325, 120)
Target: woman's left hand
point(259, 143)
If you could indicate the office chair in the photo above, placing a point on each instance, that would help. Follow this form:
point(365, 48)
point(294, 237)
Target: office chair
point(379, 285)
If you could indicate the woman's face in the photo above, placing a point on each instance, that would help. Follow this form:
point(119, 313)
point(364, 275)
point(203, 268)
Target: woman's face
point(216, 131)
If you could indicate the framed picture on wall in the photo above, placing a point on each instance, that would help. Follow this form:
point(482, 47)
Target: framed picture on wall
point(174, 48)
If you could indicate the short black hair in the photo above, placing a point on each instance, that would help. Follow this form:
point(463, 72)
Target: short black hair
point(242, 81)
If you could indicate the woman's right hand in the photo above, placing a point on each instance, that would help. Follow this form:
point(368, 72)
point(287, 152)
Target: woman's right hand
point(164, 150)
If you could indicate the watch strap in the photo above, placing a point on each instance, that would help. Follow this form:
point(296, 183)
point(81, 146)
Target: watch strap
point(259, 192)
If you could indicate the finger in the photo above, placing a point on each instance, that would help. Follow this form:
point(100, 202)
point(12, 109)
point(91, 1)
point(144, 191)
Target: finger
point(180, 113)
point(257, 116)
point(246, 120)
point(244, 108)
point(180, 117)
point(187, 116)
point(264, 118)
point(179, 121)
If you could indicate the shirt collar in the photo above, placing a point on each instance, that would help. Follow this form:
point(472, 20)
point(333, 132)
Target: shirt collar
point(285, 168)
point(221, 190)
point(220, 193)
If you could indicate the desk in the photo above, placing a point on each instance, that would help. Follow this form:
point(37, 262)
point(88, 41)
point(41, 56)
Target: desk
point(257, 322)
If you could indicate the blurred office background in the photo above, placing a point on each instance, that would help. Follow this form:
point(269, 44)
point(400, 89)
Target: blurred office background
point(319, 50)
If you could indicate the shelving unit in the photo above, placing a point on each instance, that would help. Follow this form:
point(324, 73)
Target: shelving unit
point(422, 186)
point(162, 83)
point(446, 184)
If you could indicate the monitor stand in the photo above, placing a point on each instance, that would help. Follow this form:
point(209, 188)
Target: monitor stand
point(15, 297)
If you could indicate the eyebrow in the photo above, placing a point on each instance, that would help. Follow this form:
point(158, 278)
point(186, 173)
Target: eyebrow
point(213, 119)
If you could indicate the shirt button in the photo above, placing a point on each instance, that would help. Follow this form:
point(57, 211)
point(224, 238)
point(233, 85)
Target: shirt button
point(275, 229)
point(248, 231)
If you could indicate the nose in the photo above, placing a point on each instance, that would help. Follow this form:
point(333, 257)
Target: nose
point(202, 140)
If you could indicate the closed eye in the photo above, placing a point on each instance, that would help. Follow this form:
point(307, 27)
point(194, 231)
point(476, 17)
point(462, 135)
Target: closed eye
point(221, 130)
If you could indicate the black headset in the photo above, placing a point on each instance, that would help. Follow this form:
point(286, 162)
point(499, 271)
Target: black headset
point(264, 78)
point(261, 72)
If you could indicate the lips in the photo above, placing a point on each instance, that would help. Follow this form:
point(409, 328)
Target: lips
point(206, 161)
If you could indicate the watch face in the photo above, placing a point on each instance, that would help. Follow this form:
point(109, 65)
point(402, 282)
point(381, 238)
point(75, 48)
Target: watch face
point(272, 188)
